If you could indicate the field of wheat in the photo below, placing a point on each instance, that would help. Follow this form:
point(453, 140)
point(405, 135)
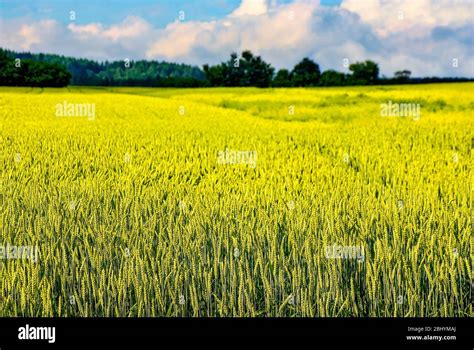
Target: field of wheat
point(223, 202)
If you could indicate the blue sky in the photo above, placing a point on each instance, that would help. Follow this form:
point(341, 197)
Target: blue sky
point(424, 36)
point(159, 12)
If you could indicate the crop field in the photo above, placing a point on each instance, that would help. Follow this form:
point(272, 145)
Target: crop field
point(236, 201)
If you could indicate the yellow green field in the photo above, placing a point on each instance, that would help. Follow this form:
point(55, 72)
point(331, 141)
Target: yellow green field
point(133, 213)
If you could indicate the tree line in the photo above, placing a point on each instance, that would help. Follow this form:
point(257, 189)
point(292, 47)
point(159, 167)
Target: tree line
point(28, 69)
point(17, 72)
point(251, 70)
point(14, 71)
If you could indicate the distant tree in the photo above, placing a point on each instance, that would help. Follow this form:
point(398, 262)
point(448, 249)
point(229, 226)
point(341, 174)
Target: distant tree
point(235, 72)
point(7, 70)
point(88, 72)
point(248, 70)
point(255, 71)
point(42, 69)
point(215, 74)
point(44, 74)
point(402, 76)
point(332, 78)
point(364, 73)
point(306, 73)
point(282, 78)
point(27, 72)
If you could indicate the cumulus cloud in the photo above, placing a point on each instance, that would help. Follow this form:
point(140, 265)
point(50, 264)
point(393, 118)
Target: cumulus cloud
point(131, 28)
point(23, 35)
point(389, 16)
point(85, 31)
point(280, 33)
point(423, 36)
point(251, 8)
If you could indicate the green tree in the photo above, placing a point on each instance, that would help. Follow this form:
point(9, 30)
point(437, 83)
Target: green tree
point(254, 71)
point(31, 73)
point(402, 76)
point(306, 73)
point(235, 74)
point(282, 78)
point(88, 72)
point(248, 70)
point(364, 73)
point(333, 78)
point(215, 74)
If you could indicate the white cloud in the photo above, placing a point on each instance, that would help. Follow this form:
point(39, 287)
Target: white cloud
point(418, 16)
point(251, 8)
point(280, 33)
point(178, 39)
point(26, 35)
point(131, 27)
point(87, 30)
